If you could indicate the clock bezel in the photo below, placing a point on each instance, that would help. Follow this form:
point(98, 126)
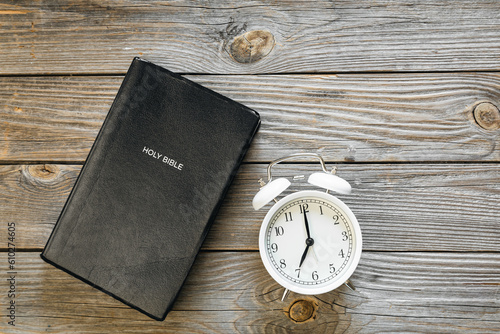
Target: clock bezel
point(343, 276)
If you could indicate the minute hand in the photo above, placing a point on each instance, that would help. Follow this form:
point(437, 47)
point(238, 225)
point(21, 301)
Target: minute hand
point(309, 240)
point(307, 225)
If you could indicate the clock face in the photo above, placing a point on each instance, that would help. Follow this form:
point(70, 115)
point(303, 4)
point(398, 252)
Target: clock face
point(310, 242)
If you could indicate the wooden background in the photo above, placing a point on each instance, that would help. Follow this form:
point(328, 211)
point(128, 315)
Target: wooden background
point(402, 96)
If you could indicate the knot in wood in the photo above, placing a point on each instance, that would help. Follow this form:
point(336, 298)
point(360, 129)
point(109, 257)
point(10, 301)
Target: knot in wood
point(47, 172)
point(302, 310)
point(252, 46)
point(487, 116)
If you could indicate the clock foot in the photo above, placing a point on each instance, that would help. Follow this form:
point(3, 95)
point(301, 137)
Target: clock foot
point(349, 284)
point(285, 294)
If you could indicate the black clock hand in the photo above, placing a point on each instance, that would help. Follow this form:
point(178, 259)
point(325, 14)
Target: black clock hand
point(309, 240)
point(304, 256)
point(307, 225)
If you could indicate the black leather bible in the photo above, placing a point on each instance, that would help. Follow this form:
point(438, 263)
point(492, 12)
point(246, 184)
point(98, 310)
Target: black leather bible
point(151, 187)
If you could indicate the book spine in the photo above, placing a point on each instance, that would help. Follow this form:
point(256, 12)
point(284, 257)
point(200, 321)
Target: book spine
point(107, 131)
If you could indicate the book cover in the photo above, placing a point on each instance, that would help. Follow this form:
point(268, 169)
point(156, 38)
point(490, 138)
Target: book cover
point(151, 187)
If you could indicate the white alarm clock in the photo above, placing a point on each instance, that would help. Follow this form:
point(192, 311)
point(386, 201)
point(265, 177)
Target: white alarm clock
point(310, 241)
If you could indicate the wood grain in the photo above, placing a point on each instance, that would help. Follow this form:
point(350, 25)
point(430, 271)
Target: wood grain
point(400, 207)
point(76, 36)
point(232, 293)
point(403, 96)
point(352, 118)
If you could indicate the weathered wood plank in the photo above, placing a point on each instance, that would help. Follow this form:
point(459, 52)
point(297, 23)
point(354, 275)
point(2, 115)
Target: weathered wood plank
point(430, 229)
point(400, 207)
point(82, 37)
point(232, 293)
point(362, 118)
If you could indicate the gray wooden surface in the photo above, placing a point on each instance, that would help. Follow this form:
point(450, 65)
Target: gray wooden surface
point(401, 96)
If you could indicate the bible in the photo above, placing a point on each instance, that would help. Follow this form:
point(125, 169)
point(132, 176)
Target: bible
point(150, 187)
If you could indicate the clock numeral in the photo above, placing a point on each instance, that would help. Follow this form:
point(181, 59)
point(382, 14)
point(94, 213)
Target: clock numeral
point(304, 208)
point(320, 210)
point(288, 216)
point(341, 253)
point(274, 247)
point(336, 220)
point(332, 268)
point(279, 230)
point(315, 275)
point(282, 264)
point(344, 236)
point(298, 272)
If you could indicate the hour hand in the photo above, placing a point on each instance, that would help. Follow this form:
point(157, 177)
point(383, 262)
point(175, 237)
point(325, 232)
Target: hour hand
point(309, 240)
point(309, 243)
point(304, 256)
